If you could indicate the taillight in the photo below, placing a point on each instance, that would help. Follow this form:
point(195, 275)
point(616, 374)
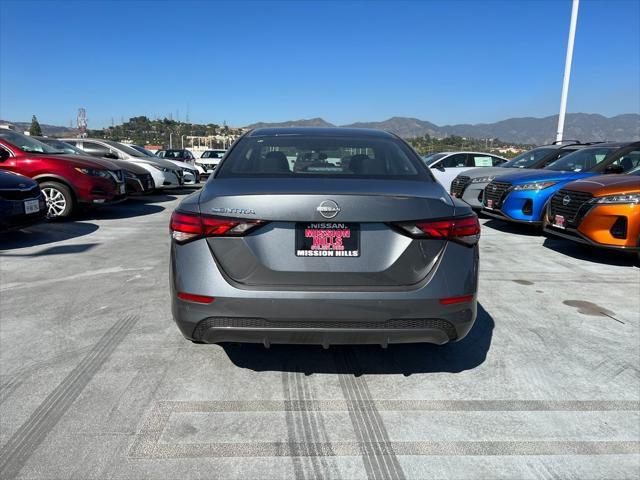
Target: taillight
point(463, 229)
point(189, 226)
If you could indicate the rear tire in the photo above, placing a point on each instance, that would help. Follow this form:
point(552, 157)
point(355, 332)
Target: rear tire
point(60, 200)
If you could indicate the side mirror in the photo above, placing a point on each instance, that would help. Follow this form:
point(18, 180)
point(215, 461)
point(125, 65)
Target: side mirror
point(3, 154)
point(439, 166)
point(111, 155)
point(614, 169)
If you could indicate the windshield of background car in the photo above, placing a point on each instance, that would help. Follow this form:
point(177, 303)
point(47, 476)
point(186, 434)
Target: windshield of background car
point(173, 154)
point(528, 158)
point(125, 148)
point(26, 144)
point(212, 154)
point(581, 160)
point(434, 157)
point(64, 147)
point(143, 150)
point(330, 157)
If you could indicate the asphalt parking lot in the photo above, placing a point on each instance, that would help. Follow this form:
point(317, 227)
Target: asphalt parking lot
point(97, 382)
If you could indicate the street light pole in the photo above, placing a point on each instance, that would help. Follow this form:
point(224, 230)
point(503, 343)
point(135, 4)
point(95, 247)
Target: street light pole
point(567, 69)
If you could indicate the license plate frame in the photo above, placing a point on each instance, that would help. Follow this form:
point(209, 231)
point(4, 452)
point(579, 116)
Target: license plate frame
point(122, 189)
point(327, 239)
point(489, 204)
point(559, 221)
point(31, 206)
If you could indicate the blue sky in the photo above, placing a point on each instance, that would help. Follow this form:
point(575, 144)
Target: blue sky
point(241, 62)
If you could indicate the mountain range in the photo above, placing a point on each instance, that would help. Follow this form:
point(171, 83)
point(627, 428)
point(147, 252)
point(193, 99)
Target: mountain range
point(49, 130)
point(525, 130)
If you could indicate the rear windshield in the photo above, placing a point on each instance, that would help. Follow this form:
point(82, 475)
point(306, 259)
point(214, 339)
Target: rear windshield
point(531, 157)
point(581, 160)
point(337, 157)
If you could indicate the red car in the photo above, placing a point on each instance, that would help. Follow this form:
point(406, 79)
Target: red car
point(67, 182)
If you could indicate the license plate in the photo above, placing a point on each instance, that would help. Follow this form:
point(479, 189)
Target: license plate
point(150, 184)
point(31, 206)
point(327, 239)
point(122, 189)
point(489, 204)
point(559, 221)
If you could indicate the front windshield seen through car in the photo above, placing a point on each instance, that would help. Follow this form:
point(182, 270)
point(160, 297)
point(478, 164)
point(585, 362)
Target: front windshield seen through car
point(581, 160)
point(528, 158)
point(27, 144)
point(143, 150)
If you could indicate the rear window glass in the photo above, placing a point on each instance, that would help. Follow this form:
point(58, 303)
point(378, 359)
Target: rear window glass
point(302, 156)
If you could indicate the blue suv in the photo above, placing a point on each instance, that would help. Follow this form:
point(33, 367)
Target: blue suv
point(523, 197)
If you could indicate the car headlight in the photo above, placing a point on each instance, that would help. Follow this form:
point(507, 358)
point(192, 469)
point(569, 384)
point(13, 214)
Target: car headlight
point(94, 172)
point(483, 179)
point(534, 186)
point(628, 198)
point(162, 169)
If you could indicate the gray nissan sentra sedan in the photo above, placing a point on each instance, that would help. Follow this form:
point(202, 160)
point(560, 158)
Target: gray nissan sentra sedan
point(323, 236)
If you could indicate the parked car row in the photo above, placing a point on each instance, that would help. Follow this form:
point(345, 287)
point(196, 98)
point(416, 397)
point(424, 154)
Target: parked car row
point(585, 192)
point(53, 178)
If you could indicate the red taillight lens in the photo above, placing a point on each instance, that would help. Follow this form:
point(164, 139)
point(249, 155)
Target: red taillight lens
point(189, 226)
point(464, 229)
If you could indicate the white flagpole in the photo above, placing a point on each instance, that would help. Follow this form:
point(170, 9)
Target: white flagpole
point(567, 69)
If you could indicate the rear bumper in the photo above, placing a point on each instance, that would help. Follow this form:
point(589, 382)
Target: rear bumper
point(13, 217)
point(323, 317)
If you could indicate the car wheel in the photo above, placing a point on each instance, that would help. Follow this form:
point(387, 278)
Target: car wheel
point(60, 201)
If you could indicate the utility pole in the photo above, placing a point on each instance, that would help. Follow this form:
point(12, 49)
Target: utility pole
point(567, 69)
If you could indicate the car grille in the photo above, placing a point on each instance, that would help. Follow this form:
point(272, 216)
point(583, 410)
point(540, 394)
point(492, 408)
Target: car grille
point(574, 210)
point(459, 185)
point(17, 194)
point(392, 324)
point(496, 191)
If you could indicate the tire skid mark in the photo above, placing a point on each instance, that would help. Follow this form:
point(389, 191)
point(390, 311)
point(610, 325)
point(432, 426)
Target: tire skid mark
point(306, 429)
point(16, 452)
point(378, 455)
point(8, 387)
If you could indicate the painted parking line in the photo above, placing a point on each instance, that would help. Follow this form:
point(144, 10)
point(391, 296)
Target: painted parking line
point(148, 443)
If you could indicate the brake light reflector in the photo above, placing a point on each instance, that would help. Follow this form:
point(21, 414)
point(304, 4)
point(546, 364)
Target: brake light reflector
point(464, 229)
point(190, 297)
point(189, 226)
point(452, 300)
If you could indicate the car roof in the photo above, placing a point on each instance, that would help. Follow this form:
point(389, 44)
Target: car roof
point(320, 132)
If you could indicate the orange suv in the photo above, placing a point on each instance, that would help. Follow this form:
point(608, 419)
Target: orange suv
point(603, 211)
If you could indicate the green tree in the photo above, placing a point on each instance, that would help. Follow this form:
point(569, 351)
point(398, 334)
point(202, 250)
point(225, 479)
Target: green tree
point(34, 129)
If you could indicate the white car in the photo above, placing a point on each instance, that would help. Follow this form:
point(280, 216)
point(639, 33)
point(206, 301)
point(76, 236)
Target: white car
point(209, 161)
point(165, 174)
point(446, 166)
point(189, 172)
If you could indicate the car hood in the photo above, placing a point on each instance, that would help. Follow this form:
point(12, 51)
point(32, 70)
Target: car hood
point(484, 171)
point(160, 162)
point(83, 161)
point(530, 176)
point(10, 180)
point(208, 161)
point(607, 185)
point(180, 164)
